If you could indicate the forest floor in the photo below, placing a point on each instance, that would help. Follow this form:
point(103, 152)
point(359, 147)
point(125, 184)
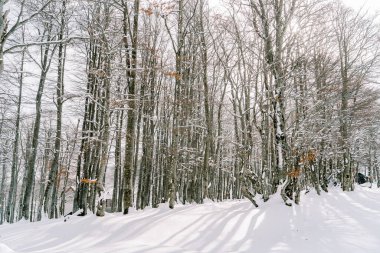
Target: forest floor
point(333, 222)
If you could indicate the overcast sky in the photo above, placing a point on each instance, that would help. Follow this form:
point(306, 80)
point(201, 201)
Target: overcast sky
point(371, 5)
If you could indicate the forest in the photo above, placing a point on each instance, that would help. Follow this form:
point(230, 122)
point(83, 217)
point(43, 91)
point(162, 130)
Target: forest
point(113, 105)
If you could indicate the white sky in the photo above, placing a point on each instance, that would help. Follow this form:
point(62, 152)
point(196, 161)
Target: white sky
point(370, 5)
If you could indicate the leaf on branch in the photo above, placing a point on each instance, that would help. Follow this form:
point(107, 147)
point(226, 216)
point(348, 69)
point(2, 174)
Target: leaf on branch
point(88, 181)
point(148, 11)
point(173, 74)
point(295, 173)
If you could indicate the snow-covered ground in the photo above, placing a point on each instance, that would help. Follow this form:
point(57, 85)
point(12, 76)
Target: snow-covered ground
point(334, 222)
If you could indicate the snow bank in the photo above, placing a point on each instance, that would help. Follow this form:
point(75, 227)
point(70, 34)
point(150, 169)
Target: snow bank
point(337, 221)
point(5, 249)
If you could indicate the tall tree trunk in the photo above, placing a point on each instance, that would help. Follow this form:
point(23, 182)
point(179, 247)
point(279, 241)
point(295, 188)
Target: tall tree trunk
point(131, 65)
point(347, 183)
point(50, 202)
point(105, 139)
point(11, 205)
point(31, 162)
point(207, 106)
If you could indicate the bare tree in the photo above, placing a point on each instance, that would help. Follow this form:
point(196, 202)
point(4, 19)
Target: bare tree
point(6, 31)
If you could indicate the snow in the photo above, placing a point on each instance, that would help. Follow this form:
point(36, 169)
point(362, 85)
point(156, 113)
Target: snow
point(5, 249)
point(333, 222)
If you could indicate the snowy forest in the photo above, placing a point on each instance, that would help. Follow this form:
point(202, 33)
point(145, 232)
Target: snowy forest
point(125, 104)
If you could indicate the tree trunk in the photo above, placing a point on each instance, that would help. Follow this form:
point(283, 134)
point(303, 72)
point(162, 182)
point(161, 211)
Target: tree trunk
point(50, 202)
point(11, 205)
point(131, 118)
point(30, 165)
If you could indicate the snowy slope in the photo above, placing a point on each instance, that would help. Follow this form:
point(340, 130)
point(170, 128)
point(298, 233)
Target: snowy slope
point(334, 222)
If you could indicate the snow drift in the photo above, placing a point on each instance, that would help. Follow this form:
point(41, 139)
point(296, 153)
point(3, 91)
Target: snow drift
point(333, 222)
